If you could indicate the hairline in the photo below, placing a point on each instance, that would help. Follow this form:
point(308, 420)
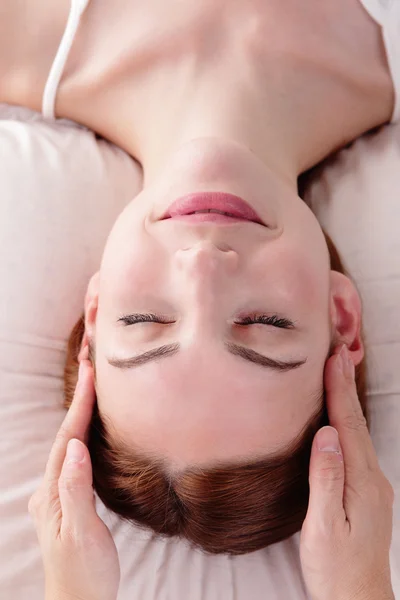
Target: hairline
point(281, 455)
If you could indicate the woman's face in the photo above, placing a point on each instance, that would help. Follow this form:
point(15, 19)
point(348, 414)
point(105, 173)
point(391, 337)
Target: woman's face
point(202, 402)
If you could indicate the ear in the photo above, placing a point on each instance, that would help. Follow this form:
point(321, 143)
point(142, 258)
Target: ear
point(346, 312)
point(91, 304)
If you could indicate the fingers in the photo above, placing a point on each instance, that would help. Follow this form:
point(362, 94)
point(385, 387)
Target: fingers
point(326, 478)
point(75, 424)
point(346, 415)
point(333, 478)
point(64, 484)
point(75, 489)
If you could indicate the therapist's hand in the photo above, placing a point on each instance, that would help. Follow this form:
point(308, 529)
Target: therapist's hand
point(79, 555)
point(346, 535)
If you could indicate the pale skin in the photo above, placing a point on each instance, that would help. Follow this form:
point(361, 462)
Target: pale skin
point(241, 99)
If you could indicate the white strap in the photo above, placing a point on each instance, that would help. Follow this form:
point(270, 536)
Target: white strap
point(391, 33)
point(375, 9)
point(56, 71)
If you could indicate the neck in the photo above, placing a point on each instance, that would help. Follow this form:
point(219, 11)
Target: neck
point(263, 110)
point(233, 107)
point(289, 97)
point(239, 110)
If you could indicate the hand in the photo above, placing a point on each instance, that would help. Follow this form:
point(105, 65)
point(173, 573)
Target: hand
point(79, 555)
point(346, 535)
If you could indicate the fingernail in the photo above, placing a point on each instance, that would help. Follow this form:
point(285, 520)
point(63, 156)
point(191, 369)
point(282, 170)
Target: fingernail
point(75, 452)
point(328, 440)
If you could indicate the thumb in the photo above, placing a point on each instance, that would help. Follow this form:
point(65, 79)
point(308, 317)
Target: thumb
point(75, 487)
point(326, 479)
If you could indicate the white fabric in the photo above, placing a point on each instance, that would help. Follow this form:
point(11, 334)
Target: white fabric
point(387, 15)
point(50, 91)
point(60, 192)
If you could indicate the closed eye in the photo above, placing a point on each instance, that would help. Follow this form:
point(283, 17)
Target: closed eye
point(267, 320)
point(273, 320)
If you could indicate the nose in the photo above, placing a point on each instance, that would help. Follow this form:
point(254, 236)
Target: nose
point(205, 259)
point(202, 276)
point(204, 269)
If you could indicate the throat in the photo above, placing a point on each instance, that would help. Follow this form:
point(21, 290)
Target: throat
point(228, 74)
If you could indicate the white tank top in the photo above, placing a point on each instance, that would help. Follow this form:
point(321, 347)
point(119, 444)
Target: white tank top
point(385, 12)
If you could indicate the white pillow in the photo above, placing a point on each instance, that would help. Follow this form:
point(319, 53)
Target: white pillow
point(61, 190)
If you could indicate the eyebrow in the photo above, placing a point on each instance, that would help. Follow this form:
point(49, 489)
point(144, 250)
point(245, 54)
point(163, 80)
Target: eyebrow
point(171, 349)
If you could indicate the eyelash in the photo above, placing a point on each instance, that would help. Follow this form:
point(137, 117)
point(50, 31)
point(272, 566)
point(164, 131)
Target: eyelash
point(273, 320)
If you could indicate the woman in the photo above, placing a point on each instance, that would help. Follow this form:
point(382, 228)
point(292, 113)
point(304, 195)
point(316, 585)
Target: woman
point(214, 98)
point(225, 105)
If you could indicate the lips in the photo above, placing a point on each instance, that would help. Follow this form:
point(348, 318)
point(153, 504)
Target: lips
point(235, 207)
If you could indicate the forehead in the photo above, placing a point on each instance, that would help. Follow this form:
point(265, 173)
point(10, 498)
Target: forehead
point(204, 406)
point(198, 424)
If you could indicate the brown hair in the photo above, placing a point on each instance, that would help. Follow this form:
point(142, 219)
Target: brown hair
point(231, 509)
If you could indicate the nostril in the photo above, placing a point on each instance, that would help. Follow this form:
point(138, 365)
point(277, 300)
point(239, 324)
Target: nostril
point(220, 247)
point(224, 247)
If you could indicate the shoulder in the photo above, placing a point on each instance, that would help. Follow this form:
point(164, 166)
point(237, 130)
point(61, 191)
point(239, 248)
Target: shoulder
point(30, 33)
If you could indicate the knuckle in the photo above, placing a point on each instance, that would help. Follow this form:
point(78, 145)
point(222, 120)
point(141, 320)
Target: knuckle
point(70, 484)
point(330, 470)
point(355, 421)
point(62, 433)
point(387, 490)
point(51, 499)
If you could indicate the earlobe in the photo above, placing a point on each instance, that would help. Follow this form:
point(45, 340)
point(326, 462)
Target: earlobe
point(346, 314)
point(91, 304)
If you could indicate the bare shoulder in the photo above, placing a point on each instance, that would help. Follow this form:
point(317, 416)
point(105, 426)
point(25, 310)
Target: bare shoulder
point(30, 33)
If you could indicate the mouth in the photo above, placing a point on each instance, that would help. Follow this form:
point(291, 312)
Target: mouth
point(219, 207)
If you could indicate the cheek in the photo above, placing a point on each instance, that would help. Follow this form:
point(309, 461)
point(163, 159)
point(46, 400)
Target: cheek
point(132, 267)
point(308, 282)
point(299, 277)
point(307, 259)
